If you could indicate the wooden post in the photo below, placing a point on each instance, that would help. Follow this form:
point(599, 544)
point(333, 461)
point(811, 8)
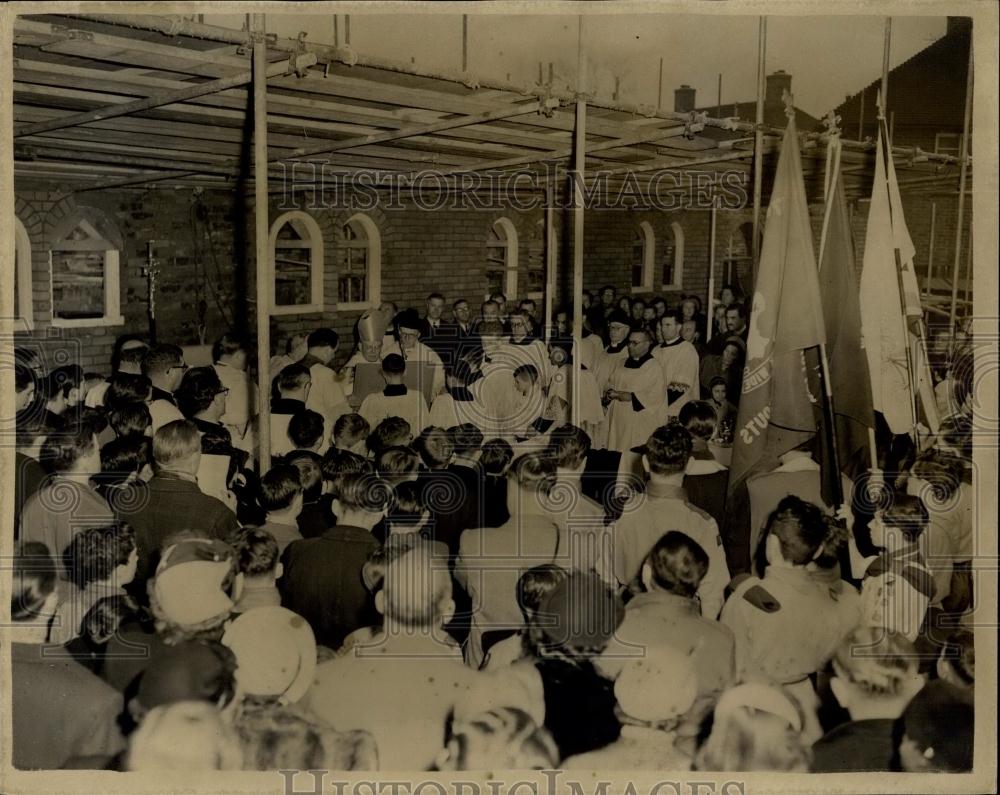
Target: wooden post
point(550, 263)
point(886, 46)
point(263, 258)
point(930, 253)
point(580, 167)
point(718, 112)
point(710, 303)
point(831, 424)
point(963, 166)
point(861, 115)
point(465, 42)
point(758, 143)
point(659, 88)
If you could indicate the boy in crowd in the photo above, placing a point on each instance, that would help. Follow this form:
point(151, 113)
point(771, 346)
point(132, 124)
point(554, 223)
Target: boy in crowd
point(875, 676)
point(66, 503)
point(897, 585)
point(395, 400)
point(60, 711)
point(390, 432)
point(257, 560)
point(315, 516)
point(305, 431)
point(322, 576)
point(350, 432)
point(280, 497)
point(664, 506)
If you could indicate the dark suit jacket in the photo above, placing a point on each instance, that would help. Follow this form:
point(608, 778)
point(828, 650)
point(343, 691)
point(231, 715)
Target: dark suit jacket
point(709, 493)
point(28, 477)
point(441, 340)
point(453, 495)
point(164, 506)
point(857, 746)
point(322, 582)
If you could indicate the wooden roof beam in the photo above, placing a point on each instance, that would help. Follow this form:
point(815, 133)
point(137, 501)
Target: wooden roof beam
point(416, 129)
point(294, 64)
point(644, 136)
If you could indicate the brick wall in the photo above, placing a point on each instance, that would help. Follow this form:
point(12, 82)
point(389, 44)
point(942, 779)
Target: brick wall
point(207, 265)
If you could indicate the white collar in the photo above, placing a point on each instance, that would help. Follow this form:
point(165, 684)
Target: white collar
point(798, 463)
point(703, 466)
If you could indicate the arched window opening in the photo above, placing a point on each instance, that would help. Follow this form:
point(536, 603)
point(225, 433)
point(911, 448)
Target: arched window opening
point(296, 246)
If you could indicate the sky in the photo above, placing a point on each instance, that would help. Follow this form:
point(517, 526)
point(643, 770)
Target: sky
point(829, 57)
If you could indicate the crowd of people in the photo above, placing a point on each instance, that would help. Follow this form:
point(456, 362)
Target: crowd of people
point(468, 553)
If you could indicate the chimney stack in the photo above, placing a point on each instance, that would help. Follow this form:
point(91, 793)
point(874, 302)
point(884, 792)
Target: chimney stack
point(777, 83)
point(683, 99)
point(959, 25)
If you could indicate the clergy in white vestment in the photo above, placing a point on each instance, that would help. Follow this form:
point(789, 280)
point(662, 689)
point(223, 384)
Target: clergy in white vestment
point(561, 390)
point(396, 400)
point(325, 396)
point(496, 391)
point(608, 359)
point(374, 344)
point(523, 348)
point(457, 405)
point(635, 396)
point(408, 327)
point(679, 361)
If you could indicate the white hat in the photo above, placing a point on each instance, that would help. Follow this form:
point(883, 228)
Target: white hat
point(189, 581)
point(275, 652)
point(372, 325)
point(659, 686)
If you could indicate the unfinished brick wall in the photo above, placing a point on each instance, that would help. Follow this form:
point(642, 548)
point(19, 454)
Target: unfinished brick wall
point(206, 284)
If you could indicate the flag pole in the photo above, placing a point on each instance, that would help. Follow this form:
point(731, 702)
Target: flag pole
point(964, 160)
point(830, 185)
point(580, 166)
point(910, 370)
point(758, 144)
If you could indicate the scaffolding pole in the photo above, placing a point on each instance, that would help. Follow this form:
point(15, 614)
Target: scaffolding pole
point(261, 240)
point(579, 174)
point(886, 47)
point(758, 143)
point(930, 253)
point(963, 158)
point(550, 264)
point(710, 302)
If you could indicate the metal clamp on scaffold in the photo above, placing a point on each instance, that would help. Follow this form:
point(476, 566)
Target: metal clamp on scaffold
point(695, 124)
point(548, 101)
